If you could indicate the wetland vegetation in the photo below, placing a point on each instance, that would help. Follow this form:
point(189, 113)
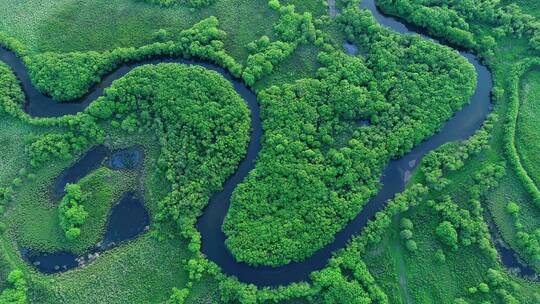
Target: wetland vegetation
point(234, 151)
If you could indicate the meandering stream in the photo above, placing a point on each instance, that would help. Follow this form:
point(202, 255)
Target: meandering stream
point(461, 126)
point(394, 178)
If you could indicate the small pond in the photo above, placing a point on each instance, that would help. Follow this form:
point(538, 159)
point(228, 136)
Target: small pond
point(128, 219)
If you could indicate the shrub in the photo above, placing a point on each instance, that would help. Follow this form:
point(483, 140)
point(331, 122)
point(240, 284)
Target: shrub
point(483, 287)
point(406, 223)
point(411, 245)
point(16, 293)
point(447, 234)
point(439, 256)
point(512, 208)
point(179, 296)
point(406, 234)
point(71, 211)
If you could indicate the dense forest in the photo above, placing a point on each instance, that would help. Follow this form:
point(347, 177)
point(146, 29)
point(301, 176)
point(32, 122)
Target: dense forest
point(269, 131)
point(317, 168)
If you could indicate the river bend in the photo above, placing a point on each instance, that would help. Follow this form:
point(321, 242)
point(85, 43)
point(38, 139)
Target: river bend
point(394, 178)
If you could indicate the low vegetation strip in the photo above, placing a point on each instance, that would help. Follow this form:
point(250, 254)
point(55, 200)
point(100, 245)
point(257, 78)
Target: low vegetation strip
point(528, 123)
point(189, 3)
point(510, 129)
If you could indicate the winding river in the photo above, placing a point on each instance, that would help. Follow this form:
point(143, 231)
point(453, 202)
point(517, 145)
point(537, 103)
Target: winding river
point(394, 179)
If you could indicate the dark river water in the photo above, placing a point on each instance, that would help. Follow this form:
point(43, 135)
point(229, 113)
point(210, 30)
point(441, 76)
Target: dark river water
point(125, 159)
point(129, 218)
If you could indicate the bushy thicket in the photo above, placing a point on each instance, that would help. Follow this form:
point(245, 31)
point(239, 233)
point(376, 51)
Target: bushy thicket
point(529, 242)
point(82, 131)
point(499, 285)
point(66, 76)
point(438, 20)
point(264, 56)
point(466, 226)
point(69, 76)
point(452, 156)
point(71, 211)
point(307, 184)
point(17, 292)
point(12, 97)
point(10, 43)
point(454, 20)
point(291, 28)
point(202, 125)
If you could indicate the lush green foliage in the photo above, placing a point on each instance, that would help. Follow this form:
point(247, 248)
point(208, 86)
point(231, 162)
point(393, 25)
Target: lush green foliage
point(448, 234)
point(292, 28)
point(265, 55)
point(13, 44)
point(452, 156)
point(69, 76)
point(317, 167)
point(83, 131)
point(320, 160)
point(71, 211)
point(439, 20)
point(12, 97)
point(530, 242)
point(451, 20)
point(74, 70)
point(17, 293)
point(203, 126)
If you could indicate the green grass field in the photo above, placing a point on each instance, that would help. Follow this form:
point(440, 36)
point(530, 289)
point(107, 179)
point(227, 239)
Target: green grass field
point(528, 125)
point(418, 277)
point(142, 271)
point(68, 25)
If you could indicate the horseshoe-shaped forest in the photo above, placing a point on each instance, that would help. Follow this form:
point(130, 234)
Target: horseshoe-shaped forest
point(269, 151)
